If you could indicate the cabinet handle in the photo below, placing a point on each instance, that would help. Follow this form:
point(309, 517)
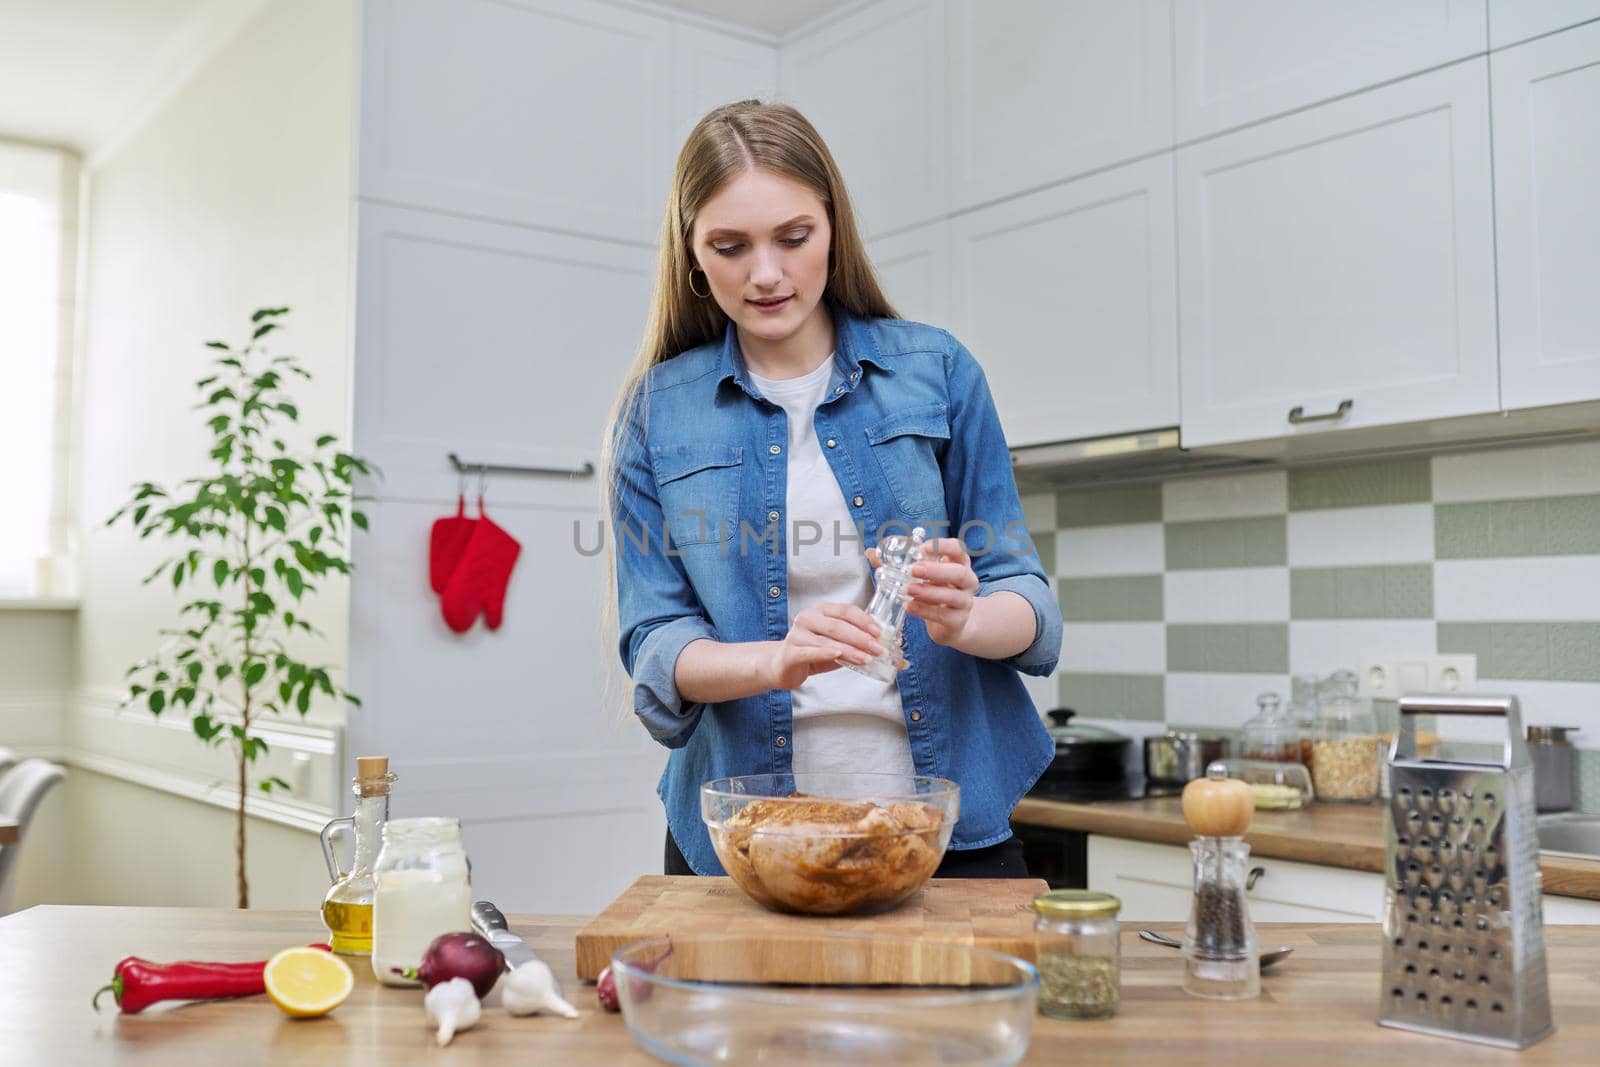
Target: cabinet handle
point(1297, 414)
point(1253, 877)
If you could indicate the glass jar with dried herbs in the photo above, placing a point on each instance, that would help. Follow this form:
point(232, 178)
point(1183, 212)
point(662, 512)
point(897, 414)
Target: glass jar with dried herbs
point(1076, 938)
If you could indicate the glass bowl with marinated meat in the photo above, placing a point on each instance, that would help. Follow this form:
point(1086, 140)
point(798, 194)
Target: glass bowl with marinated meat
point(830, 843)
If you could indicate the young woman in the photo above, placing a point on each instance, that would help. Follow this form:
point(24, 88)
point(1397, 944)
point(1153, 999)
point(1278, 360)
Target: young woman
point(779, 420)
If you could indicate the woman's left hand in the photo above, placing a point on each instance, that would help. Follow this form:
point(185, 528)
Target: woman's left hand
point(943, 589)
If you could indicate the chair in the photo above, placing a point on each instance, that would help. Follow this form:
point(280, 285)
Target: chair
point(21, 789)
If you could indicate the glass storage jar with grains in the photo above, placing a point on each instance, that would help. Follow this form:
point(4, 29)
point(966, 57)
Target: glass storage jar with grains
point(1270, 734)
point(1303, 712)
point(1076, 942)
point(1346, 753)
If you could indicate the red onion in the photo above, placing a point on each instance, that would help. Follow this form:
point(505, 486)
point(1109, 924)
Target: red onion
point(605, 990)
point(460, 955)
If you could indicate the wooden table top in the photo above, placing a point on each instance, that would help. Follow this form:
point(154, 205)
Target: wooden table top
point(1317, 1008)
point(9, 834)
point(1334, 835)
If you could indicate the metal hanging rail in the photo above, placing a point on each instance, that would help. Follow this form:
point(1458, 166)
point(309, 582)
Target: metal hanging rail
point(463, 467)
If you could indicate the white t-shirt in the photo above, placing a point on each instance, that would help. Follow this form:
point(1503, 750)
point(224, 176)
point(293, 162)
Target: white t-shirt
point(843, 721)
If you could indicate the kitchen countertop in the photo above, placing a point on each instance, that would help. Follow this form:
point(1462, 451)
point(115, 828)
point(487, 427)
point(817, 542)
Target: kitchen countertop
point(1317, 1008)
point(1333, 835)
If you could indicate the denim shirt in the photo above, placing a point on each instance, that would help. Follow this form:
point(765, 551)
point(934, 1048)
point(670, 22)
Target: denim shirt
point(911, 434)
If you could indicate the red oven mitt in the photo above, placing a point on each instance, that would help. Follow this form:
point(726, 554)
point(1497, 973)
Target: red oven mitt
point(480, 579)
point(447, 543)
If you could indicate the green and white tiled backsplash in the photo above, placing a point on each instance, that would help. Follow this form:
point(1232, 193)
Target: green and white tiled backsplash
point(1183, 600)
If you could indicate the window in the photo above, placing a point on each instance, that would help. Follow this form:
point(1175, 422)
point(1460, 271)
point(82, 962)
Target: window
point(37, 198)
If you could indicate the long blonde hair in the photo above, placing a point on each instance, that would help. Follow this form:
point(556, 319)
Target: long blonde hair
point(725, 143)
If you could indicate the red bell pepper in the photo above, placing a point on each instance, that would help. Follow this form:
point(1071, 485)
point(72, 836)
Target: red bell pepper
point(136, 984)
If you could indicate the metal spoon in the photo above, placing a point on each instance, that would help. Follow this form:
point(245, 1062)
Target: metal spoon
point(1267, 958)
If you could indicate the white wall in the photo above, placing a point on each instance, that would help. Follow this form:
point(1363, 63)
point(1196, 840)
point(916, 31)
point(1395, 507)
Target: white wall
point(234, 195)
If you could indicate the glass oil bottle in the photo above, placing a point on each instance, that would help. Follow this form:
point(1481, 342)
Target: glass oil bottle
point(347, 909)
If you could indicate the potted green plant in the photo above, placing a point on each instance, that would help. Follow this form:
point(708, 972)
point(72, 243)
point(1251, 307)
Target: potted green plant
point(256, 534)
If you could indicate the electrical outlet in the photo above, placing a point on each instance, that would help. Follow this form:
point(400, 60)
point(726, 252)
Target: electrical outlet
point(1453, 674)
point(1391, 677)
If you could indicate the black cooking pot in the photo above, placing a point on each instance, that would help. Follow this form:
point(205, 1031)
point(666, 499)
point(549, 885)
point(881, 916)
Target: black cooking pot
point(1086, 754)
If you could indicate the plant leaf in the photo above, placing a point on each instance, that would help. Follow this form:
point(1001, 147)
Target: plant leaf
point(263, 330)
point(254, 673)
point(219, 572)
point(218, 344)
point(157, 701)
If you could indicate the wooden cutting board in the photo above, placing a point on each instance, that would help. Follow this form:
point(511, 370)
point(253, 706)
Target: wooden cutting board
point(721, 934)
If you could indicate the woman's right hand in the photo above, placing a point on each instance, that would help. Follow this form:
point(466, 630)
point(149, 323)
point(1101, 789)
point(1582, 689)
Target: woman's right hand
point(819, 637)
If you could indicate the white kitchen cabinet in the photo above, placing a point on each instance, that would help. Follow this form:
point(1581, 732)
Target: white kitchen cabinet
point(504, 344)
point(873, 85)
point(1546, 172)
point(506, 730)
point(1042, 90)
point(1511, 21)
point(1156, 884)
point(501, 343)
point(711, 69)
point(1067, 297)
point(468, 107)
point(1336, 265)
point(914, 269)
point(1570, 911)
point(1240, 61)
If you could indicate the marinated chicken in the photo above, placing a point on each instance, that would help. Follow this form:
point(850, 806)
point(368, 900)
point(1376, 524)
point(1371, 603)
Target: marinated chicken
point(830, 857)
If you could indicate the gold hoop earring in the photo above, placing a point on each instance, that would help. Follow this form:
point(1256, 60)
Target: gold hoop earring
point(696, 292)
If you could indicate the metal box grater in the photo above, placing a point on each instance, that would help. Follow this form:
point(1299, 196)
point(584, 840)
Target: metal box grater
point(1463, 951)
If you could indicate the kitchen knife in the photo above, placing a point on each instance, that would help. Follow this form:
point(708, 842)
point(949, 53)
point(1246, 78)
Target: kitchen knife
point(491, 923)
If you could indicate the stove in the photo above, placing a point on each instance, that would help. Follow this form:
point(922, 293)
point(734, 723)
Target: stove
point(1081, 792)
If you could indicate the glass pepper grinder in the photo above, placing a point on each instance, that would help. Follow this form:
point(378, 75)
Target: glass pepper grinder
point(1220, 948)
point(347, 909)
point(896, 554)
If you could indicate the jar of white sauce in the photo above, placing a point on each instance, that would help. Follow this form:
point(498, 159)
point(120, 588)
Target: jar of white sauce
point(424, 889)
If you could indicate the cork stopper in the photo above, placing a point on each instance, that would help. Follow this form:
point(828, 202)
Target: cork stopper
point(372, 776)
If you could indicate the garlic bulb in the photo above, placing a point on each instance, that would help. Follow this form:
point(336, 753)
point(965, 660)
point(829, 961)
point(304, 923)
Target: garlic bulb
point(531, 988)
point(453, 1005)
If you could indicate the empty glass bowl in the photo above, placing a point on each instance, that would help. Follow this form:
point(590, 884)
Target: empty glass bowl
point(830, 843)
point(717, 999)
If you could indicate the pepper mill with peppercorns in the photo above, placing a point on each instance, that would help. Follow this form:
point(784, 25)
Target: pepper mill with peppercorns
point(1220, 958)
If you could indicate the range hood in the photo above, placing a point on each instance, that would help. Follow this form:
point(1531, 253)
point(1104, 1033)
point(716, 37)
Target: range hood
point(1147, 455)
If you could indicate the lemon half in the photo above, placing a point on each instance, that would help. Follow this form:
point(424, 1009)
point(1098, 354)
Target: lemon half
point(307, 982)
